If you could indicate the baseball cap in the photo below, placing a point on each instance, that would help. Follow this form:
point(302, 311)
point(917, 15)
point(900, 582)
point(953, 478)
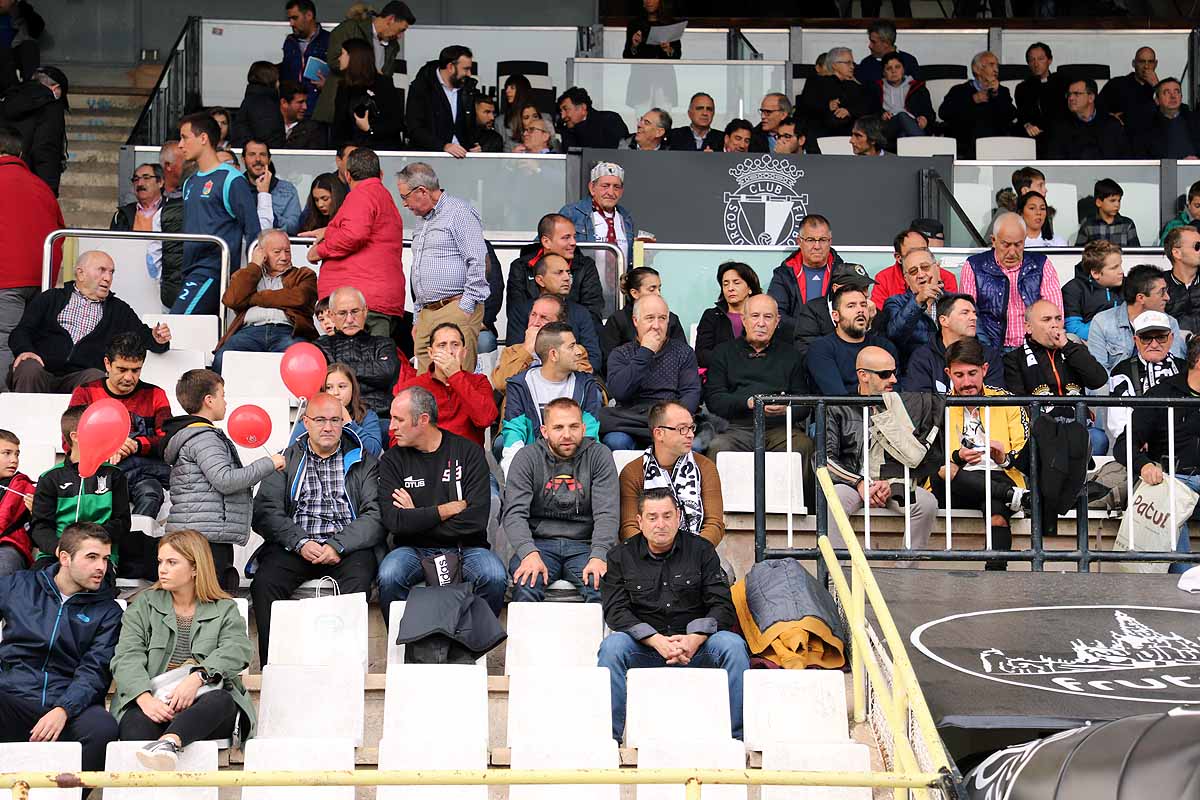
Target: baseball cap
point(1151, 321)
point(930, 227)
point(605, 169)
point(847, 274)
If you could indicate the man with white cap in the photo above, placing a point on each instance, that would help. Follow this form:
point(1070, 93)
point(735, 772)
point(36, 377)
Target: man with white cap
point(600, 217)
point(1154, 338)
point(1111, 332)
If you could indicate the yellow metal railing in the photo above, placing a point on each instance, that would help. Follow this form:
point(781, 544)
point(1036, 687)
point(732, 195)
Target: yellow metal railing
point(21, 783)
point(893, 683)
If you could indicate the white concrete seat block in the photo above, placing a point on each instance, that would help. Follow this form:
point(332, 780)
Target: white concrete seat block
point(299, 754)
point(692, 753)
point(196, 757)
point(286, 710)
point(599, 754)
point(538, 695)
point(794, 705)
point(662, 702)
point(425, 705)
point(847, 757)
point(43, 757)
point(553, 634)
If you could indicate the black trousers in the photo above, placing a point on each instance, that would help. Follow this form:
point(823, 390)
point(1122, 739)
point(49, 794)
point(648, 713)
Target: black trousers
point(93, 729)
point(212, 716)
point(968, 489)
point(227, 575)
point(280, 573)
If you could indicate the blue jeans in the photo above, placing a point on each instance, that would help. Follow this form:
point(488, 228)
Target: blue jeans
point(401, 570)
point(564, 560)
point(256, 339)
point(487, 342)
point(905, 124)
point(1098, 440)
point(620, 652)
point(1184, 544)
point(199, 294)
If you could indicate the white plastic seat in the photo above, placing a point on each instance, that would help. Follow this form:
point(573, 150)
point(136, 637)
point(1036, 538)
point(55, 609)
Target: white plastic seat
point(926, 146)
point(1064, 198)
point(196, 757)
point(164, 370)
point(286, 708)
point(737, 482)
point(1005, 148)
point(438, 708)
point(662, 701)
point(254, 374)
point(701, 751)
point(35, 417)
point(395, 652)
point(444, 753)
point(544, 635)
point(276, 407)
point(538, 695)
point(835, 145)
point(623, 457)
point(189, 331)
point(793, 705)
point(845, 757)
point(263, 753)
point(37, 456)
point(53, 757)
point(601, 754)
point(303, 633)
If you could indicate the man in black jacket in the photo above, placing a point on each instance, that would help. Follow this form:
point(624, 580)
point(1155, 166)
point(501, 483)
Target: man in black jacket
point(37, 109)
point(667, 603)
point(61, 339)
point(441, 104)
point(956, 320)
point(699, 134)
point(586, 126)
point(1085, 133)
point(813, 320)
point(1182, 248)
point(1039, 97)
point(1130, 98)
point(980, 107)
point(374, 358)
point(435, 503)
point(556, 236)
point(1173, 131)
point(155, 211)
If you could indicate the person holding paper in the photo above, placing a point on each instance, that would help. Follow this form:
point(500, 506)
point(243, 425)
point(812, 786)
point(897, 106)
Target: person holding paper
point(646, 35)
point(189, 690)
point(305, 52)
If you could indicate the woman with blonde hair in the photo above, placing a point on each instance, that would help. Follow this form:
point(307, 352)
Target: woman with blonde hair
point(342, 383)
point(183, 646)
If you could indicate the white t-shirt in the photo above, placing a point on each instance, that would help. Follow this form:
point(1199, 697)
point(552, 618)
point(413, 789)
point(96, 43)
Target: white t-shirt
point(544, 391)
point(600, 229)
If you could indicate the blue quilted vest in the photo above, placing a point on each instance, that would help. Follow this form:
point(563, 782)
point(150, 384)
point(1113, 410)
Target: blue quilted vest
point(991, 292)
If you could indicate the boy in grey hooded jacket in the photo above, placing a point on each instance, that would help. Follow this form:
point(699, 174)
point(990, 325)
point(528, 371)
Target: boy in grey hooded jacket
point(210, 489)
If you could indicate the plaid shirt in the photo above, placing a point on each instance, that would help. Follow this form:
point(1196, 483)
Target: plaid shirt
point(1122, 232)
point(449, 256)
point(80, 316)
point(322, 508)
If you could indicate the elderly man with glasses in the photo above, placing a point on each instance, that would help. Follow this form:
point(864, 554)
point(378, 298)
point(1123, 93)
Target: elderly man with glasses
point(536, 137)
point(155, 209)
point(653, 129)
point(1111, 333)
point(980, 107)
point(772, 111)
point(319, 515)
point(831, 103)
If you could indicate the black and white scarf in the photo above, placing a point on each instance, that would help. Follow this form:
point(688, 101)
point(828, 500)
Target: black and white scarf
point(683, 480)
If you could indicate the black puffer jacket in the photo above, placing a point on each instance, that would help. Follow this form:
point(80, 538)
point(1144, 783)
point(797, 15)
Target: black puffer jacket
point(31, 109)
point(1083, 299)
point(259, 118)
point(375, 362)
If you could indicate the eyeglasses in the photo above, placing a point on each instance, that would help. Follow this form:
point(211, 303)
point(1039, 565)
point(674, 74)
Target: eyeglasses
point(137, 178)
point(411, 192)
point(349, 312)
point(531, 131)
point(682, 430)
point(766, 111)
point(815, 240)
point(326, 422)
point(1160, 337)
point(884, 374)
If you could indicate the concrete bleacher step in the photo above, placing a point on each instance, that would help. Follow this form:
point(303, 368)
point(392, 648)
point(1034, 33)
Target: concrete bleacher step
point(100, 121)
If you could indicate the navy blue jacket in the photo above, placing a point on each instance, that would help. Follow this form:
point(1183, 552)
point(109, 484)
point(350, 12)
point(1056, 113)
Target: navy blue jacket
point(831, 361)
point(907, 324)
point(294, 60)
point(926, 371)
point(57, 653)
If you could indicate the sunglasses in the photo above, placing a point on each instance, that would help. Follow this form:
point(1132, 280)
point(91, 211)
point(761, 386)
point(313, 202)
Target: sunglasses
point(1160, 337)
point(885, 374)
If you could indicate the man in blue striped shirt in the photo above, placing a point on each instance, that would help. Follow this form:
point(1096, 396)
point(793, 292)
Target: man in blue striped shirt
point(217, 200)
point(449, 259)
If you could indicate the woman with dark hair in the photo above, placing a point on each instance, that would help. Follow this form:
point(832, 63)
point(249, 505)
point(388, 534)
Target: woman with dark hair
point(367, 110)
point(222, 117)
point(325, 197)
point(259, 117)
point(723, 322)
point(1032, 208)
point(177, 664)
point(653, 14)
point(342, 383)
point(517, 94)
point(528, 118)
point(638, 282)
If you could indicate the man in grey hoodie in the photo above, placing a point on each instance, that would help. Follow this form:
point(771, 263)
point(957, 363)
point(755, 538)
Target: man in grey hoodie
point(560, 512)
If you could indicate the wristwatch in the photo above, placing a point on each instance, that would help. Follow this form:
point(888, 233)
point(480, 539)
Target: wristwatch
point(205, 676)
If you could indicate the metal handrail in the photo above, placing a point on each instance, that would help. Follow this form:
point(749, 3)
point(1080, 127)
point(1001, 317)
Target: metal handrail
point(150, 236)
point(170, 69)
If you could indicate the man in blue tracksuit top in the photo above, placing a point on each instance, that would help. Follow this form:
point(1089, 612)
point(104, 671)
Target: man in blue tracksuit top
point(217, 200)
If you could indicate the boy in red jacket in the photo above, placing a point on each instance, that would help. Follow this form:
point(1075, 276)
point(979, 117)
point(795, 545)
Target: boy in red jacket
point(16, 501)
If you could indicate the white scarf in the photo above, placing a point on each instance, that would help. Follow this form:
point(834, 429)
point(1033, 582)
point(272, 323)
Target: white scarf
point(683, 481)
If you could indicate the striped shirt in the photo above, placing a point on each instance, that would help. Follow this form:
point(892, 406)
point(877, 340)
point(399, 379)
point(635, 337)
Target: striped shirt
point(449, 256)
point(182, 654)
point(80, 316)
point(1014, 334)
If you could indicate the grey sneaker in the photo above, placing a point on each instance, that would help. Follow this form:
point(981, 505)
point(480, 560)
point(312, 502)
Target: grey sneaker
point(162, 755)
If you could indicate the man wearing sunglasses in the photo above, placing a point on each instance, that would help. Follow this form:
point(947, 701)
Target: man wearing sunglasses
point(1154, 337)
point(1182, 248)
point(1111, 333)
point(857, 484)
point(319, 515)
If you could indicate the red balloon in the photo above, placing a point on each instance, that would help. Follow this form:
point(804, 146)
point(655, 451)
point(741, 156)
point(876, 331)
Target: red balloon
point(102, 430)
point(249, 426)
point(303, 369)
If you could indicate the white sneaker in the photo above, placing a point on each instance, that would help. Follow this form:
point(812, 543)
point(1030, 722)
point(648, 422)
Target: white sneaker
point(162, 756)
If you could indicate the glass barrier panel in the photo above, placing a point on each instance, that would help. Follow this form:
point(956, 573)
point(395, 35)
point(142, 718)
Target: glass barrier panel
point(630, 88)
point(491, 45)
point(1187, 173)
point(697, 43)
point(1069, 186)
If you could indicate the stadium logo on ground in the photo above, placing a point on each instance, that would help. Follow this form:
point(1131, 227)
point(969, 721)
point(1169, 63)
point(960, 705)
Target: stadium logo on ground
point(1145, 654)
point(766, 208)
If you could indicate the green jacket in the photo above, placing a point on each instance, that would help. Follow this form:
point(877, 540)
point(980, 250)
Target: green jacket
point(1184, 218)
point(352, 28)
point(220, 644)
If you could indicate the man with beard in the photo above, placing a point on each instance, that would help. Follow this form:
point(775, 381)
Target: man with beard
point(831, 359)
point(558, 513)
point(956, 321)
point(278, 201)
point(441, 104)
point(988, 445)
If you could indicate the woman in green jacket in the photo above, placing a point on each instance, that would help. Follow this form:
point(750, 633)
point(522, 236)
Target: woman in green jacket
point(183, 645)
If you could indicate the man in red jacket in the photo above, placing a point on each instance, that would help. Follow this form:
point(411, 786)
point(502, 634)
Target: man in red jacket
point(465, 403)
point(30, 211)
point(891, 280)
point(363, 244)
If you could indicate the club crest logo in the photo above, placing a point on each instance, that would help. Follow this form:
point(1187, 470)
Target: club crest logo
point(1145, 654)
point(207, 190)
point(766, 207)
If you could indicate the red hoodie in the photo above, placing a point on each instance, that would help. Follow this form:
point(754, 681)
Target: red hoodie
point(30, 211)
point(466, 406)
point(14, 517)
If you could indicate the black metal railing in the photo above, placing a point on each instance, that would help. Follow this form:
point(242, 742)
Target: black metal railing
point(175, 93)
point(1083, 556)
